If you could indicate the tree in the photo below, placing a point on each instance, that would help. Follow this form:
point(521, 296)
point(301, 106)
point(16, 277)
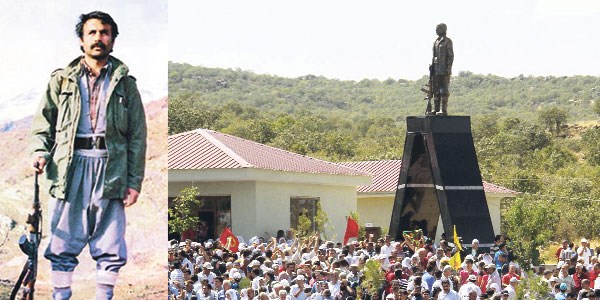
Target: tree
point(533, 287)
point(553, 118)
point(183, 116)
point(182, 210)
point(530, 222)
point(373, 277)
point(591, 145)
point(597, 106)
point(308, 226)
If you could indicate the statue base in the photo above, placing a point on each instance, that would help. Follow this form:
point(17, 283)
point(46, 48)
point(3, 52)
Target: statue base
point(440, 176)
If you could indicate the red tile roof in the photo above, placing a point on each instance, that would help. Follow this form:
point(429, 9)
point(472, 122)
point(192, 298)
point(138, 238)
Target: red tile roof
point(208, 149)
point(386, 174)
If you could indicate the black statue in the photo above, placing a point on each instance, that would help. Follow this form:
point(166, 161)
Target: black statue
point(440, 71)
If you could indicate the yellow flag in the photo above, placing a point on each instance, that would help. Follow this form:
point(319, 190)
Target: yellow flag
point(455, 261)
point(456, 241)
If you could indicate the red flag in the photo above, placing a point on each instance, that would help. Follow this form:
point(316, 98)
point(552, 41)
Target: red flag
point(351, 230)
point(226, 236)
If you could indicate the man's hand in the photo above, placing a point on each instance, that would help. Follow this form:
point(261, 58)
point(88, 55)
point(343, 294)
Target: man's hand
point(131, 197)
point(38, 165)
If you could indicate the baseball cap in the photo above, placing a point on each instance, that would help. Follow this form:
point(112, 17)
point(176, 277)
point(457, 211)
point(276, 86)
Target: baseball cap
point(207, 265)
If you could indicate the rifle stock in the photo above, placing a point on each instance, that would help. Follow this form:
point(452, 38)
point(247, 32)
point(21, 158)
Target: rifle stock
point(428, 90)
point(30, 246)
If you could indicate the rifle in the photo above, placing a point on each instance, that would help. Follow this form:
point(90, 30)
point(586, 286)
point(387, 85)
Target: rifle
point(30, 247)
point(428, 90)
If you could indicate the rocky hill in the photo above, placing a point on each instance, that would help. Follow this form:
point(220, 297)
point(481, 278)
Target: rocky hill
point(144, 275)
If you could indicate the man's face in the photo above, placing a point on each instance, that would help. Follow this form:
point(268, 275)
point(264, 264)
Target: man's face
point(97, 41)
point(447, 272)
point(307, 269)
point(585, 285)
point(446, 287)
point(564, 270)
point(205, 290)
point(189, 287)
point(291, 268)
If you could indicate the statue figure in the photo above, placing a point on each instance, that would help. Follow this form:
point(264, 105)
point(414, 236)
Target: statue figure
point(440, 71)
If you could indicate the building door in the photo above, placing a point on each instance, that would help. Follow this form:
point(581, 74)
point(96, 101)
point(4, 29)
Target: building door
point(216, 212)
point(206, 229)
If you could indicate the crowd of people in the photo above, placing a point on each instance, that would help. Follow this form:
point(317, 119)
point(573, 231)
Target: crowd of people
point(312, 269)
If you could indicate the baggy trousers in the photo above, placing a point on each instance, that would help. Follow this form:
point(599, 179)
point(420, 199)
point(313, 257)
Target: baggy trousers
point(84, 217)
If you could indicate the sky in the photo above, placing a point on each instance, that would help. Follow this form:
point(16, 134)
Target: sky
point(357, 39)
point(39, 37)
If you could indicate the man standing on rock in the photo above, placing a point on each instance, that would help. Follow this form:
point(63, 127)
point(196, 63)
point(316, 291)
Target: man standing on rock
point(443, 57)
point(89, 135)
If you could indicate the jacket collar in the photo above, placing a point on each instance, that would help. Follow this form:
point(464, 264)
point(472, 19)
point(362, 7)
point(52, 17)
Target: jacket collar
point(73, 69)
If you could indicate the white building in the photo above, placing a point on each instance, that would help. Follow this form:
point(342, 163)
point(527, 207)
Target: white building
point(257, 189)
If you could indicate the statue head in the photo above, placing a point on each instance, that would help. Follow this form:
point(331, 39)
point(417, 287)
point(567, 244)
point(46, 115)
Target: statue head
point(441, 28)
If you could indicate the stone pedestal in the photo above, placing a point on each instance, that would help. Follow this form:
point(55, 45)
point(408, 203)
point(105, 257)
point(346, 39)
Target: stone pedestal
point(440, 176)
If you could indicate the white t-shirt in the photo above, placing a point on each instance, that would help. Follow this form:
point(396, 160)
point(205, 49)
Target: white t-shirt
point(294, 289)
point(452, 295)
point(385, 249)
point(466, 289)
point(585, 254)
point(334, 288)
point(210, 277)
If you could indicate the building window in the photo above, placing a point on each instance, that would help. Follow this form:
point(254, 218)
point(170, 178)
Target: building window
point(214, 214)
point(303, 206)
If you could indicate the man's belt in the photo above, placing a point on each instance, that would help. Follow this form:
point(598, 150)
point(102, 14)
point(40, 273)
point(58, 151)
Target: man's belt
point(96, 142)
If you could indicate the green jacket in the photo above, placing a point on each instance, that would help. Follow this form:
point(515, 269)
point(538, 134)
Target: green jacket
point(55, 124)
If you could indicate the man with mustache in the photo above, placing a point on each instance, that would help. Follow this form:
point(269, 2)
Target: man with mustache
point(89, 136)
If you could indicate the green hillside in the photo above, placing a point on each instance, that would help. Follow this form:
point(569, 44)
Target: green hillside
point(471, 94)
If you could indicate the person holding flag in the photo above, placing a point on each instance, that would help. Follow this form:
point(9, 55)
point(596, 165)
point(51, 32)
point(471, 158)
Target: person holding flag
point(351, 230)
point(229, 240)
point(455, 261)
